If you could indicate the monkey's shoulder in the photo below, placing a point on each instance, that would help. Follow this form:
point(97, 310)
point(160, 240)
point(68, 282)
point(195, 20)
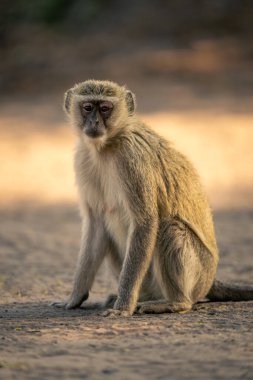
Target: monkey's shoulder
point(139, 143)
point(144, 149)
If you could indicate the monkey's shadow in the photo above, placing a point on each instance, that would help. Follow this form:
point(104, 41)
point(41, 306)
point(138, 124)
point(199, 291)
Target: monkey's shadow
point(42, 310)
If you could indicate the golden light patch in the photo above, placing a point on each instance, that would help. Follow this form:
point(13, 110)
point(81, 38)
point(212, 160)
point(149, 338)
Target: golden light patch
point(37, 164)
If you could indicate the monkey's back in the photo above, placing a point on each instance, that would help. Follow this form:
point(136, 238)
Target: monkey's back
point(175, 186)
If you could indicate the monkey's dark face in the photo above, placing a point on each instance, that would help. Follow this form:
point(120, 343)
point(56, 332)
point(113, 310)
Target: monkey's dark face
point(95, 115)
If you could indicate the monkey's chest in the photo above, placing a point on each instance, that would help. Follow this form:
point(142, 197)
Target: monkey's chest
point(108, 202)
point(117, 227)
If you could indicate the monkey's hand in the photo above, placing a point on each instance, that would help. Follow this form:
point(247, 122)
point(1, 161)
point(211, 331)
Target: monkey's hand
point(120, 310)
point(116, 313)
point(63, 305)
point(73, 302)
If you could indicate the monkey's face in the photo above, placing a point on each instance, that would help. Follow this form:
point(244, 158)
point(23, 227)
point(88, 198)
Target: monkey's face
point(99, 109)
point(95, 115)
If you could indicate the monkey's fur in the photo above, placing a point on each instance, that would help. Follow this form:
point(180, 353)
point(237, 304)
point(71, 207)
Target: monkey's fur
point(143, 208)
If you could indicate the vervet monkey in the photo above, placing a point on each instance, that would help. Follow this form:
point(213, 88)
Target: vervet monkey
point(142, 207)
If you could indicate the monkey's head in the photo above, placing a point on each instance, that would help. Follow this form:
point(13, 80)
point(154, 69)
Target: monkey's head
point(98, 109)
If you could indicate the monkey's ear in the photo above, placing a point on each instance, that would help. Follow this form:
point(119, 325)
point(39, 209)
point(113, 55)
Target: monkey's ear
point(67, 100)
point(131, 102)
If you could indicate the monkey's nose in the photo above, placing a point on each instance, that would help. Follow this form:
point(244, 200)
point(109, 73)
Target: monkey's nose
point(94, 124)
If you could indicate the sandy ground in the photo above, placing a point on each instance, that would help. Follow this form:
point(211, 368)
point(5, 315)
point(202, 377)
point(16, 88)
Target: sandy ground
point(39, 239)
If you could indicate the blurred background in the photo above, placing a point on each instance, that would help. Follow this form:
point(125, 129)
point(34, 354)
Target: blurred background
point(190, 63)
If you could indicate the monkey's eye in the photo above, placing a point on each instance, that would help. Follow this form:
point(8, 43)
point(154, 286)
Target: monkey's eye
point(104, 109)
point(87, 107)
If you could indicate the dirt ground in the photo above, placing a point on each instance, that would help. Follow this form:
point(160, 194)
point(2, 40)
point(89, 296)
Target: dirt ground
point(39, 239)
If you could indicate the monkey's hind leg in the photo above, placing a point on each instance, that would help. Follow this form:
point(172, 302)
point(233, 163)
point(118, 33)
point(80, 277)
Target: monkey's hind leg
point(184, 268)
point(110, 301)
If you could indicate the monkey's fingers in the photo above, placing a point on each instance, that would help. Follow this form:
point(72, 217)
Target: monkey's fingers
point(116, 313)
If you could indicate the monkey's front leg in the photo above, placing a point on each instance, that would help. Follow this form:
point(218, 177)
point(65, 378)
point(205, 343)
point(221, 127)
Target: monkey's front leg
point(141, 244)
point(93, 249)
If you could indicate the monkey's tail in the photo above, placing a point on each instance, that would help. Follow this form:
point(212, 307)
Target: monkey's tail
point(228, 292)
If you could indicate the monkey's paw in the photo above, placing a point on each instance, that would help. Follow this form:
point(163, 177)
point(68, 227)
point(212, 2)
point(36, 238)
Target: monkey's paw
point(116, 313)
point(73, 302)
point(63, 305)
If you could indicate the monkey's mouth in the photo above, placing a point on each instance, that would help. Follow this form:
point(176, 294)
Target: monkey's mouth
point(94, 133)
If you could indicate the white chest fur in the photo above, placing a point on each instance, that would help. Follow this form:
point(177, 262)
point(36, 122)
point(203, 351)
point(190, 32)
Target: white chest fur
point(100, 188)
